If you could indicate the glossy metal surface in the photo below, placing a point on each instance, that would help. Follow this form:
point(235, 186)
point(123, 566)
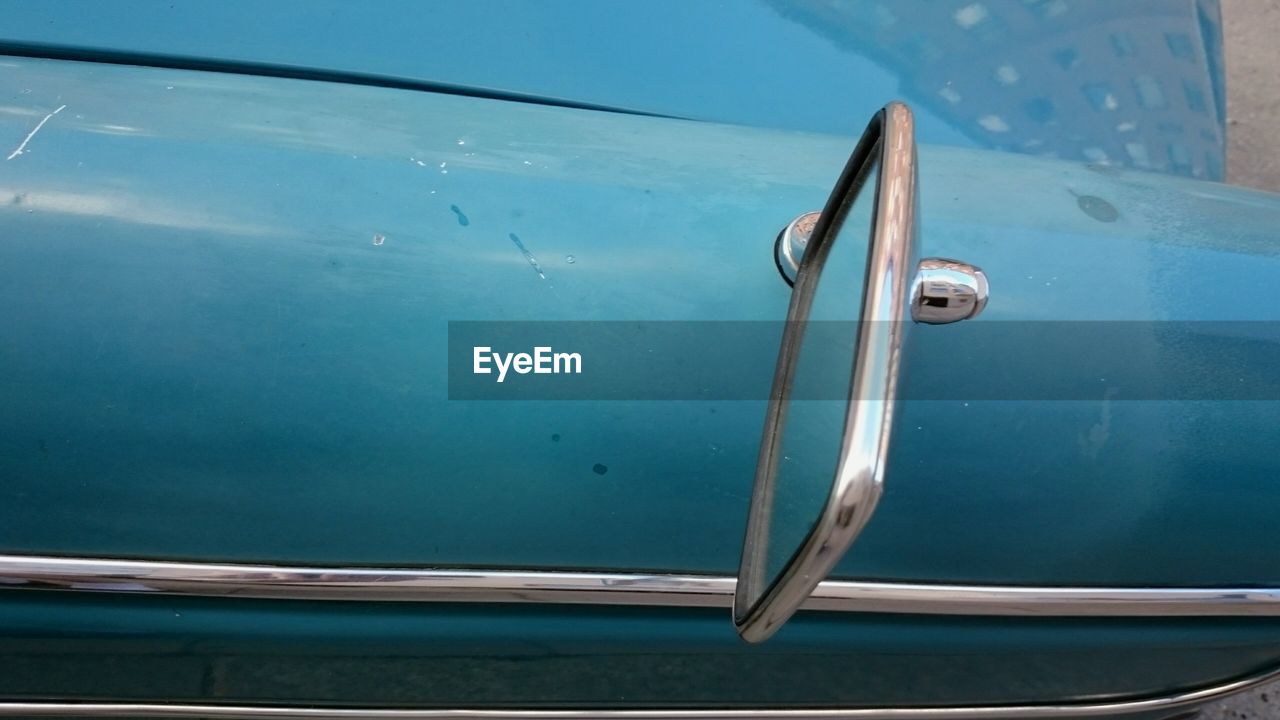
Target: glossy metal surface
point(1136, 83)
point(1147, 708)
point(789, 248)
point(888, 146)
point(947, 291)
point(498, 586)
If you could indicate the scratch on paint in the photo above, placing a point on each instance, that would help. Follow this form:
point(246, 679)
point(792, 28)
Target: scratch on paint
point(23, 145)
point(533, 261)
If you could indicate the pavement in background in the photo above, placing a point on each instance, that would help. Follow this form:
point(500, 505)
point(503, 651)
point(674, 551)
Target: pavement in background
point(1250, 31)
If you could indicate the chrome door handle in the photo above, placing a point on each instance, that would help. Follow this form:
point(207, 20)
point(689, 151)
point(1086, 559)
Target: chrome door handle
point(943, 290)
point(947, 291)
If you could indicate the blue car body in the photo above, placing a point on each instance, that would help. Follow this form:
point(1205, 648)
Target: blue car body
point(234, 241)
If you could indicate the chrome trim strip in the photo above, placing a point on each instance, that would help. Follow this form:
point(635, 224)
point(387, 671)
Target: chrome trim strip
point(598, 588)
point(1113, 708)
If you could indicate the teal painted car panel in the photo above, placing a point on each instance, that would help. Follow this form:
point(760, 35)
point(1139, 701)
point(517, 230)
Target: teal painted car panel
point(234, 297)
point(1137, 83)
point(95, 646)
point(227, 317)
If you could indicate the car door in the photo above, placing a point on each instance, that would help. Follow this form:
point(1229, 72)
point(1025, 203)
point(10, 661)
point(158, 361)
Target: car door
point(248, 460)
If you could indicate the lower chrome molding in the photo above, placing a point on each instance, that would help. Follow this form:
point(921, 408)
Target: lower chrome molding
point(597, 588)
point(413, 585)
point(1156, 706)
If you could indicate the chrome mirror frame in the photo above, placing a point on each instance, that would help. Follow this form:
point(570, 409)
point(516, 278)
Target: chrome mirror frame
point(758, 612)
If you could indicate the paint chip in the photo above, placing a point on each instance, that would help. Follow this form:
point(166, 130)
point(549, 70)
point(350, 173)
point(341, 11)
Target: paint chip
point(970, 15)
point(993, 123)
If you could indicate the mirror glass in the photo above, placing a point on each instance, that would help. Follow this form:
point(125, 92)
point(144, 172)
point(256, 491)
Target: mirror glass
point(816, 403)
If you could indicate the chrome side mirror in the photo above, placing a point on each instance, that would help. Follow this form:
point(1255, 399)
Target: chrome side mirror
point(821, 466)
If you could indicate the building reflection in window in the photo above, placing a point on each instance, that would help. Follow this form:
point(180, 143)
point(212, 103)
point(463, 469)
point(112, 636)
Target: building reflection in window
point(1100, 82)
